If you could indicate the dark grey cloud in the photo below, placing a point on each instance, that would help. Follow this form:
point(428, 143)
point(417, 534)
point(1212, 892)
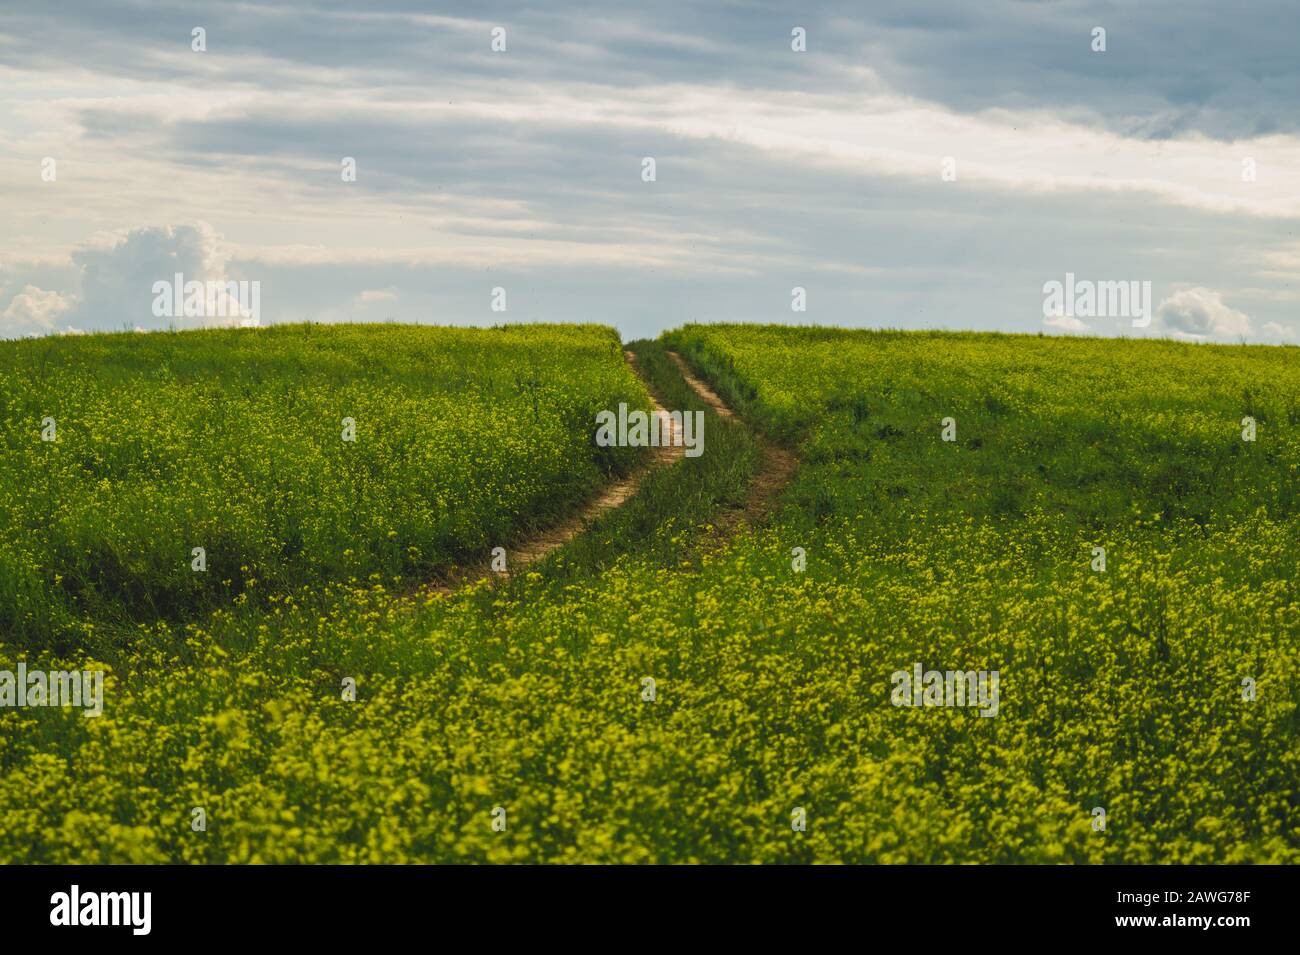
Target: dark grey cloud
point(730, 225)
point(1170, 67)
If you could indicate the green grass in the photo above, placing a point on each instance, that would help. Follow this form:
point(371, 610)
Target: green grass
point(1119, 689)
point(233, 441)
point(670, 518)
point(1092, 430)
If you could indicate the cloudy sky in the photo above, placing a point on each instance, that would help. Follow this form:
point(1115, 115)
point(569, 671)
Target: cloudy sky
point(1172, 157)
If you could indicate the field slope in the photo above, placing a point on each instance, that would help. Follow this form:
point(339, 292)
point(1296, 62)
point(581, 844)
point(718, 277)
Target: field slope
point(238, 443)
point(659, 691)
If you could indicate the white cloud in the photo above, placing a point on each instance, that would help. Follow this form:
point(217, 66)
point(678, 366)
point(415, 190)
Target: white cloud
point(114, 286)
point(1199, 314)
point(34, 311)
point(777, 169)
point(891, 133)
point(1065, 323)
point(1277, 332)
point(371, 296)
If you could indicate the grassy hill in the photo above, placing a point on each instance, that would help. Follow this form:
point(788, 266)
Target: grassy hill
point(235, 442)
point(1159, 689)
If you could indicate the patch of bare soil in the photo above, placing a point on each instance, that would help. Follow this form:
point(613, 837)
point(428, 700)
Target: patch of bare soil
point(777, 468)
point(529, 551)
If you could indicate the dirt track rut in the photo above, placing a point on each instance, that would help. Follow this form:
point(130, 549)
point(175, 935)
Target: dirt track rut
point(778, 466)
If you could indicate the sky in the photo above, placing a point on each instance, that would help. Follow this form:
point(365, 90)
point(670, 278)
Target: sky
point(912, 165)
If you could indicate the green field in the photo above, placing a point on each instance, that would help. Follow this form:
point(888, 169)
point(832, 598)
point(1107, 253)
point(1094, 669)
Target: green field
point(234, 443)
point(1120, 689)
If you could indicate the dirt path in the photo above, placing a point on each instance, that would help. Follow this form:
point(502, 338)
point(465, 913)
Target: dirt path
point(778, 466)
point(528, 552)
point(778, 463)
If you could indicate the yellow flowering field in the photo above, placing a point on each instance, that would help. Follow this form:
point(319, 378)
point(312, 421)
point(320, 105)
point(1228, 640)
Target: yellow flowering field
point(666, 695)
point(291, 455)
